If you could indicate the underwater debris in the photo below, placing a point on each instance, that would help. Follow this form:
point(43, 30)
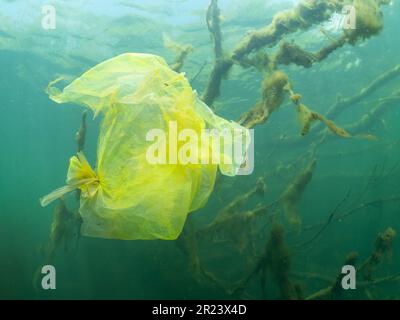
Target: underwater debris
point(181, 51)
point(80, 136)
point(337, 130)
point(219, 71)
point(290, 53)
point(273, 95)
point(230, 211)
point(193, 79)
point(306, 14)
point(222, 64)
point(237, 220)
point(307, 117)
point(383, 246)
point(276, 261)
point(391, 279)
point(291, 197)
point(369, 21)
point(335, 44)
point(187, 243)
point(370, 119)
point(331, 218)
point(377, 176)
point(213, 19)
point(343, 103)
point(260, 61)
point(360, 128)
point(335, 290)
point(279, 263)
point(178, 64)
point(303, 16)
point(116, 201)
point(273, 91)
point(360, 208)
point(238, 228)
point(64, 228)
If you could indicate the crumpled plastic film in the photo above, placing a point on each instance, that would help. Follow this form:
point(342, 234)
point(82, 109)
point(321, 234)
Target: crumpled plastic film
point(127, 197)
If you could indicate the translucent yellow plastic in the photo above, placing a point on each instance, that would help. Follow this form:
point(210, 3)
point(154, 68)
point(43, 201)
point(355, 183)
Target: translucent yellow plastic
point(126, 197)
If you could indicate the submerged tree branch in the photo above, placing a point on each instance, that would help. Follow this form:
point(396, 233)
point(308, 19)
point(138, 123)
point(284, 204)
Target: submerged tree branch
point(302, 17)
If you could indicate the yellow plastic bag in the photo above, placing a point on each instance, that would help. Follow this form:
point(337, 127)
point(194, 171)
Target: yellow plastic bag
point(127, 197)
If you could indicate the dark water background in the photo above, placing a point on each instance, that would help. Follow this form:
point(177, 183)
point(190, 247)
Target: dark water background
point(37, 139)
